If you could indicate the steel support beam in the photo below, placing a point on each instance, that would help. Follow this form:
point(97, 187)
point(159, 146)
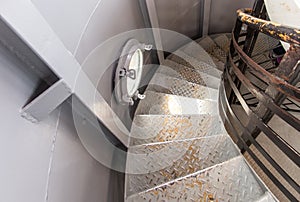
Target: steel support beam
point(29, 25)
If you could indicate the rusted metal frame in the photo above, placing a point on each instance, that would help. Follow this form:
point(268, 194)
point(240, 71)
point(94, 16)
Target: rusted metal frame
point(289, 70)
point(261, 80)
point(257, 54)
point(242, 34)
point(269, 102)
point(259, 10)
point(278, 31)
point(292, 103)
point(269, 60)
point(243, 145)
point(241, 43)
point(274, 67)
point(235, 36)
point(250, 40)
point(259, 147)
point(258, 7)
point(255, 119)
point(250, 98)
point(271, 79)
point(285, 107)
point(251, 37)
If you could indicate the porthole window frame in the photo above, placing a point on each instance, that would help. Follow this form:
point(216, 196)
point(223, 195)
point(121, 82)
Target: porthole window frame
point(124, 73)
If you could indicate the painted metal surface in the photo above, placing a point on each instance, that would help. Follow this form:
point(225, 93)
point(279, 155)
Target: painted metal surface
point(45, 103)
point(24, 147)
point(51, 50)
point(156, 32)
point(229, 181)
point(124, 16)
point(206, 17)
point(60, 14)
point(148, 129)
point(222, 14)
point(128, 73)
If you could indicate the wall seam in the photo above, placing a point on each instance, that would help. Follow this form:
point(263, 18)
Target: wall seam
point(85, 28)
point(52, 155)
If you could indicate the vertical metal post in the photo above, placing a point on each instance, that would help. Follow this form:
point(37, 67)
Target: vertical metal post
point(206, 17)
point(156, 32)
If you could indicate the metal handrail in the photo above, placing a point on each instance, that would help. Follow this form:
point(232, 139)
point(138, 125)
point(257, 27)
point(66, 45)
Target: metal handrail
point(281, 85)
point(278, 31)
point(266, 76)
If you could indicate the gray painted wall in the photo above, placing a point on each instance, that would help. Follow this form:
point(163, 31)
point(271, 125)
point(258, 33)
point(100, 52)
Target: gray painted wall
point(223, 14)
point(44, 161)
point(185, 17)
point(84, 25)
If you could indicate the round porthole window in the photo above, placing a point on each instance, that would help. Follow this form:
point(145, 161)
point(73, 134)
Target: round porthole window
point(129, 72)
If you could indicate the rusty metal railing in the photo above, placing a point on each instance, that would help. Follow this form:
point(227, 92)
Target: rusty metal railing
point(242, 74)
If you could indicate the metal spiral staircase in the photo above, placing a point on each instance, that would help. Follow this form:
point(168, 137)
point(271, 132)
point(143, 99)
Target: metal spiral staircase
point(179, 148)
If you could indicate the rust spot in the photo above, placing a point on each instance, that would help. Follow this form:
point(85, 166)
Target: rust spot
point(285, 37)
point(275, 30)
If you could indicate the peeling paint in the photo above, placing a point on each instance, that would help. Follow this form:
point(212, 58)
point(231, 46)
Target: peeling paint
point(276, 30)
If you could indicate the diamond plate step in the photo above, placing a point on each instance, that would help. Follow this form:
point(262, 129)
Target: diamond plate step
point(156, 164)
point(182, 58)
point(229, 181)
point(160, 103)
point(161, 128)
point(228, 35)
point(208, 44)
point(170, 85)
point(223, 42)
point(194, 50)
point(179, 71)
point(267, 197)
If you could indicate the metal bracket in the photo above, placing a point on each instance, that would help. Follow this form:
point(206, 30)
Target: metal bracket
point(148, 47)
point(46, 102)
point(139, 96)
point(128, 73)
